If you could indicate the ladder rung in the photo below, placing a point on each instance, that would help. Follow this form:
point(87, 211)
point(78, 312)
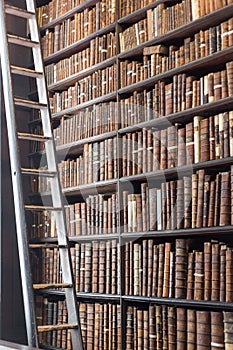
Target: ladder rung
point(57, 327)
point(25, 71)
point(19, 40)
point(33, 137)
point(46, 246)
point(29, 103)
point(52, 285)
point(12, 10)
point(40, 207)
point(38, 172)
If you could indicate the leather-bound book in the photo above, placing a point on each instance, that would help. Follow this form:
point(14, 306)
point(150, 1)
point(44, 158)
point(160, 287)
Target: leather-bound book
point(223, 248)
point(215, 286)
point(194, 199)
point(145, 344)
point(187, 202)
point(129, 328)
point(207, 270)
point(168, 247)
point(189, 143)
point(228, 332)
point(206, 199)
point(152, 327)
point(229, 275)
point(171, 321)
point(211, 203)
point(180, 203)
point(180, 269)
point(191, 329)
point(204, 140)
point(199, 276)
point(155, 270)
point(172, 146)
point(200, 198)
point(159, 327)
point(181, 329)
point(217, 331)
point(190, 276)
point(161, 269)
point(225, 200)
point(144, 267)
point(181, 147)
point(203, 327)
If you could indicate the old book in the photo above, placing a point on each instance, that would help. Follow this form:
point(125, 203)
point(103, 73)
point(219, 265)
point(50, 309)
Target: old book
point(191, 329)
point(166, 276)
point(225, 200)
point(161, 269)
point(228, 334)
point(203, 327)
point(206, 199)
point(180, 269)
point(157, 49)
point(199, 276)
point(223, 249)
point(190, 276)
point(155, 270)
point(180, 204)
point(196, 126)
point(207, 270)
point(229, 274)
point(200, 198)
point(189, 143)
point(217, 199)
point(152, 327)
point(181, 330)
point(215, 285)
point(144, 267)
point(217, 331)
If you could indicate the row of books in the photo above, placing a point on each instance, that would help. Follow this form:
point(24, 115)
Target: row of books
point(97, 215)
point(98, 163)
point(54, 9)
point(160, 58)
point(80, 26)
point(176, 270)
point(166, 327)
point(100, 325)
point(100, 49)
point(49, 312)
point(95, 85)
point(91, 121)
point(165, 18)
point(201, 140)
point(95, 267)
point(127, 7)
point(184, 92)
point(160, 20)
point(196, 201)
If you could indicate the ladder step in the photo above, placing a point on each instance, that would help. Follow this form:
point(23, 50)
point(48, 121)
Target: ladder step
point(46, 246)
point(26, 72)
point(33, 137)
point(57, 327)
point(39, 172)
point(29, 103)
point(12, 10)
point(52, 285)
point(40, 207)
point(19, 40)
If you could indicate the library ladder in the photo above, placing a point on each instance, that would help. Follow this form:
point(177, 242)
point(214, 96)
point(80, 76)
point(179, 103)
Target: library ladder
point(28, 14)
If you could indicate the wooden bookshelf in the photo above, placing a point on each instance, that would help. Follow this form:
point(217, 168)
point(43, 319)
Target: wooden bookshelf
point(123, 221)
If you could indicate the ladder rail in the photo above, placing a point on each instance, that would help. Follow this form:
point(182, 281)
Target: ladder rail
point(28, 294)
point(16, 171)
point(50, 150)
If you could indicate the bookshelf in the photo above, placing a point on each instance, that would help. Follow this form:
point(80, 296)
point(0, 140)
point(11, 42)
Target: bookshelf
point(142, 110)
